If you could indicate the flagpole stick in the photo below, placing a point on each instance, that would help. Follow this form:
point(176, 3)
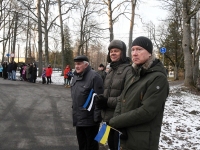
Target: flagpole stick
point(116, 130)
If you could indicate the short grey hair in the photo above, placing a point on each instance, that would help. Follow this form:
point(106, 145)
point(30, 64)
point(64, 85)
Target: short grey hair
point(86, 62)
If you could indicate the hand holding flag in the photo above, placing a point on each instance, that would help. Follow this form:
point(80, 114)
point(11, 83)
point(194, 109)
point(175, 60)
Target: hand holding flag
point(103, 134)
point(90, 100)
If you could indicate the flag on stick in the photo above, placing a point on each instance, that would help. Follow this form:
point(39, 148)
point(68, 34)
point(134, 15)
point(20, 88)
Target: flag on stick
point(90, 99)
point(103, 133)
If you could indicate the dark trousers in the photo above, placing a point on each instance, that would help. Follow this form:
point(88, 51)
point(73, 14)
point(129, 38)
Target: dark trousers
point(113, 140)
point(85, 136)
point(48, 80)
point(43, 80)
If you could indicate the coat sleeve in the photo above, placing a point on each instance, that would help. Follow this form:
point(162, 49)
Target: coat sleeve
point(152, 104)
point(98, 88)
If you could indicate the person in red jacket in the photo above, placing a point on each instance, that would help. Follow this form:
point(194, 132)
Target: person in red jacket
point(49, 73)
point(67, 69)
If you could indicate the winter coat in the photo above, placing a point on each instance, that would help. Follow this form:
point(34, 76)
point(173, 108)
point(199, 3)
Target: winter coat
point(80, 88)
point(27, 72)
point(34, 73)
point(140, 107)
point(9, 69)
point(43, 73)
point(67, 69)
point(5, 68)
point(48, 72)
point(113, 86)
point(14, 66)
point(102, 73)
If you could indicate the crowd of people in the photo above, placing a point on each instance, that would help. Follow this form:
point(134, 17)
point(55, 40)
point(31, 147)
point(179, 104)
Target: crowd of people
point(28, 72)
point(130, 97)
point(9, 70)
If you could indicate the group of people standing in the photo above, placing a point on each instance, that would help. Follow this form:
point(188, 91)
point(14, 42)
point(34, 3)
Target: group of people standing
point(9, 70)
point(130, 98)
point(28, 72)
point(68, 75)
point(46, 75)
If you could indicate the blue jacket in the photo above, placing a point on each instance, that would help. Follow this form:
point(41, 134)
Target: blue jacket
point(80, 88)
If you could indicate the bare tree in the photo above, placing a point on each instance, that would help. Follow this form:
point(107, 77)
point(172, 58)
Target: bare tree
point(39, 36)
point(189, 10)
point(133, 5)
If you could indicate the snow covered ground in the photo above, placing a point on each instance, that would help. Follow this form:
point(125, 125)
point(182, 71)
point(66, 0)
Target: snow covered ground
point(181, 122)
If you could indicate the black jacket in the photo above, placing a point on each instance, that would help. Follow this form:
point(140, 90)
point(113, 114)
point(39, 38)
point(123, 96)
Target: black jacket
point(80, 89)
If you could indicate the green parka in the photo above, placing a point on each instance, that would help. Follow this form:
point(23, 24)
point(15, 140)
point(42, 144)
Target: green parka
point(113, 86)
point(141, 105)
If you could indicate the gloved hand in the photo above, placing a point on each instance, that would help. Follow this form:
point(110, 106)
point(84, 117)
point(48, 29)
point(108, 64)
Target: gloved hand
point(101, 101)
point(124, 135)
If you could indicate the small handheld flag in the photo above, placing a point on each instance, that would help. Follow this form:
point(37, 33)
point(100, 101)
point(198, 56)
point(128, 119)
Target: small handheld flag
point(89, 102)
point(103, 133)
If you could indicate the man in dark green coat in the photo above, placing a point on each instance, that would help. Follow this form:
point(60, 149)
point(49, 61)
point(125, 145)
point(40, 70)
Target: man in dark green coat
point(141, 105)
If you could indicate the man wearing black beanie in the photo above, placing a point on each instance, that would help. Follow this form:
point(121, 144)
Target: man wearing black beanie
point(140, 108)
point(120, 69)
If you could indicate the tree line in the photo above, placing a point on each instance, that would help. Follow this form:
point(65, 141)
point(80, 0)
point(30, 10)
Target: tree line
point(43, 28)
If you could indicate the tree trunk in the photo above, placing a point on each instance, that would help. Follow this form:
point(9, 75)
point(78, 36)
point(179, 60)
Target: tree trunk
point(27, 38)
point(176, 72)
point(39, 37)
point(186, 46)
point(15, 34)
point(133, 4)
point(110, 20)
point(61, 34)
point(46, 38)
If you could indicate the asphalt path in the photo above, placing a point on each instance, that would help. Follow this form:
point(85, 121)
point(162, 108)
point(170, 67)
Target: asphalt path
point(35, 116)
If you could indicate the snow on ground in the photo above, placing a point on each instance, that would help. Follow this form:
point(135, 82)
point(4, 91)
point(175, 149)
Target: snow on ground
point(181, 122)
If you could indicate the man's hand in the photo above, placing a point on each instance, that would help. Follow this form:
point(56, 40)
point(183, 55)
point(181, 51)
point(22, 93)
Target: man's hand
point(101, 101)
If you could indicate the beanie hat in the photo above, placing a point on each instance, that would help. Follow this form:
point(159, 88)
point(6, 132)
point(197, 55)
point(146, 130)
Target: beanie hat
point(143, 42)
point(120, 45)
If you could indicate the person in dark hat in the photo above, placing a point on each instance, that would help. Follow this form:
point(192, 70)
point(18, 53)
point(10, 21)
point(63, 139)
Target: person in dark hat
point(140, 108)
point(101, 71)
point(120, 69)
point(87, 122)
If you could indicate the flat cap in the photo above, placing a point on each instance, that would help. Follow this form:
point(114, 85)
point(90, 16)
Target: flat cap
point(81, 58)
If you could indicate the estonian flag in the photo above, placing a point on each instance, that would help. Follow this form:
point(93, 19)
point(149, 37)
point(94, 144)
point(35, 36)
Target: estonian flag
point(89, 102)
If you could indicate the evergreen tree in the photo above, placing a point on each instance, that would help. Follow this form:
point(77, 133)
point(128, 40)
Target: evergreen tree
point(68, 53)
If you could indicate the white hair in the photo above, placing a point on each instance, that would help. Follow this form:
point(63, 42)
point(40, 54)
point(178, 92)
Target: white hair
point(85, 62)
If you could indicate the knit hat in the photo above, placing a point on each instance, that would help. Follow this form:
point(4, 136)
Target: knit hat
point(143, 42)
point(120, 45)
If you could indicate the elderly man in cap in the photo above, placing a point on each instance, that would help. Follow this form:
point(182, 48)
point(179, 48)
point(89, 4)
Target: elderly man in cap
point(140, 108)
point(120, 69)
point(86, 121)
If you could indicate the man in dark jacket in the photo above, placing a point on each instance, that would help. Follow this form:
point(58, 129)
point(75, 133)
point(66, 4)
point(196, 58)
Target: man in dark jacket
point(101, 71)
point(9, 70)
point(86, 121)
point(141, 105)
point(14, 69)
point(120, 70)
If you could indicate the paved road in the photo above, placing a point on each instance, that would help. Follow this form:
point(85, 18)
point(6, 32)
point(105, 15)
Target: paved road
point(35, 117)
